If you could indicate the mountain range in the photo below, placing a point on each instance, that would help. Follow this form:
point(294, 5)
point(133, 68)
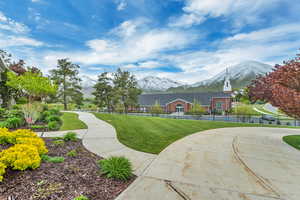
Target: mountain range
point(240, 76)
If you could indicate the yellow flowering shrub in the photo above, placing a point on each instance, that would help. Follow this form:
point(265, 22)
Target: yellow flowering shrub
point(21, 157)
point(11, 137)
point(5, 136)
point(2, 170)
point(37, 142)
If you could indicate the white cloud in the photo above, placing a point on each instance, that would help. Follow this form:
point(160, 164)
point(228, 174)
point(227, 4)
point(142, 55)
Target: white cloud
point(121, 5)
point(8, 24)
point(136, 48)
point(144, 65)
point(15, 34)
point(244, 11)
point(130, 27)
point(187, 20)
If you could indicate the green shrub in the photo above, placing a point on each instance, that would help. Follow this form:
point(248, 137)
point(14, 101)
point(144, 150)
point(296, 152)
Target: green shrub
point(14, 122)
point(15, 113)
point(37, 126)
point(81, 197)
point(3, 113)
point(58, 142)
point(55, 111)
point(54, 118)
point(72, 153)
point(45, 115)
point(3, 124)
point(116, 167)
point(70, 136)
point(52, 159)
point(54, 125)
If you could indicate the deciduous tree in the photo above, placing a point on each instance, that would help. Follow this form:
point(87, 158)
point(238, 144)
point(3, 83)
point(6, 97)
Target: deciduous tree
point(281, 87)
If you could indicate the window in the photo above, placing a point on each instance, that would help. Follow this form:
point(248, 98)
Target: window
point(219, 105)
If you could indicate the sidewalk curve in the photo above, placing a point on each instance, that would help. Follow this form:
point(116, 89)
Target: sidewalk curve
point(227, 164)
point(101, 139)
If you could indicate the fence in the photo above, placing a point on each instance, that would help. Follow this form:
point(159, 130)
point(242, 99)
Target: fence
point(251, 119)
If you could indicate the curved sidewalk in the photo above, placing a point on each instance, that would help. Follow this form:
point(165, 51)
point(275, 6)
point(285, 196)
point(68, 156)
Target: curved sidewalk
point(101, 139)
point(227, 164)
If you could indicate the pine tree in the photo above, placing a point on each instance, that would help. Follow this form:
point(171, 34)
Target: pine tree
point(125, 89)
point(104, 91)
point(66, 77)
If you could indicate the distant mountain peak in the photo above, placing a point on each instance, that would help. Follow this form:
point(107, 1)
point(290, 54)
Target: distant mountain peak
point(153, 83)
point(240, 71)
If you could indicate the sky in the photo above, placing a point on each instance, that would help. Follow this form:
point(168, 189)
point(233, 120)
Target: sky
point(184, 40)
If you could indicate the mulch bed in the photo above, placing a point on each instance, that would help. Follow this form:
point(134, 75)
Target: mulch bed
point(62, 181)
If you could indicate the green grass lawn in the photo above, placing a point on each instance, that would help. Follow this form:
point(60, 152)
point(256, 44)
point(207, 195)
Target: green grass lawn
point(71, 122)
point(153, 134)
point(293, 140)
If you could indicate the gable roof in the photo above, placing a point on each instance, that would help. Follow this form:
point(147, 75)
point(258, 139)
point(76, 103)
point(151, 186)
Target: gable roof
point(163, 99)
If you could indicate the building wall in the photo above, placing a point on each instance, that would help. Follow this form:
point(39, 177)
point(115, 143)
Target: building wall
point(172, 106)
point(226, 103)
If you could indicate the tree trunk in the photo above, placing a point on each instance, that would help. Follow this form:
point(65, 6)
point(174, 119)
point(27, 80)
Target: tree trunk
point(64, 94)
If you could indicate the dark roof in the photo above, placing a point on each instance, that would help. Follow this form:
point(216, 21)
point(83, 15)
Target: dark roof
point(163, 99)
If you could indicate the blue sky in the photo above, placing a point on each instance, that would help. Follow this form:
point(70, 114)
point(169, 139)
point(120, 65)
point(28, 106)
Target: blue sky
point(185, 40)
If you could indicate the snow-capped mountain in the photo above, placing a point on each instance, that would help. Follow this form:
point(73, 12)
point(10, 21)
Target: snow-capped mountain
point(87, 85)
point(152, 83)
point(241, 71)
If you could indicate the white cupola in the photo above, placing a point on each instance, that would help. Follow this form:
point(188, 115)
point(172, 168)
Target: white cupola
point(227, 86)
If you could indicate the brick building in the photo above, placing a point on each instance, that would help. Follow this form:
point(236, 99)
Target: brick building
point(182, 102)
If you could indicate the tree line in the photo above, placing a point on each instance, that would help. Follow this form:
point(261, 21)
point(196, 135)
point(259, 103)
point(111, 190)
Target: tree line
point(21, 82)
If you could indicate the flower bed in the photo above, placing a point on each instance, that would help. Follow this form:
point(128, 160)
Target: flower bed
point(66, 172)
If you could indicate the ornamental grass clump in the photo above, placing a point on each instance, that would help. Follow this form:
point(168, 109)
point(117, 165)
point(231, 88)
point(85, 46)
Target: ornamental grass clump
point(116, 167)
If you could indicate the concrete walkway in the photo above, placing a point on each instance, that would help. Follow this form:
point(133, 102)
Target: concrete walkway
point(223, 164)
point(101, 139)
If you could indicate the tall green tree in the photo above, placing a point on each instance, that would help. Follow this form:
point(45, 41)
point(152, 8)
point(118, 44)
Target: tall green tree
point(125, 87)
point(66, 76)
point(104, 91)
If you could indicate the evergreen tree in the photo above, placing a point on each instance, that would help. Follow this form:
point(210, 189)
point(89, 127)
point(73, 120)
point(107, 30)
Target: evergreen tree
point(103, 91)
point(66, 77)
point(125, 89)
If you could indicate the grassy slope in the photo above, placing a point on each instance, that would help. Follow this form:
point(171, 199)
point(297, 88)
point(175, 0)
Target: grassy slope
point(153, 134)
point(293, 140)
point(71, 122)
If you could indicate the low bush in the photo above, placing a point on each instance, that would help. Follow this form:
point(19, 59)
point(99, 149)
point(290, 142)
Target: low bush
point(7, 137)
point(45, 115)
point(13, 122)
point(116, 167)
point(3, 124)
point(15, 113)
point(54, 118)
point(2, 170)
point(70, 136)
point(81, 197)
point(21, 157)
point(58, 142)
point(54, 111)
point(37, 142)
point(53, 159)
point(3, 113)
point(38, 126)
point(72, 153)
point(54, 125)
